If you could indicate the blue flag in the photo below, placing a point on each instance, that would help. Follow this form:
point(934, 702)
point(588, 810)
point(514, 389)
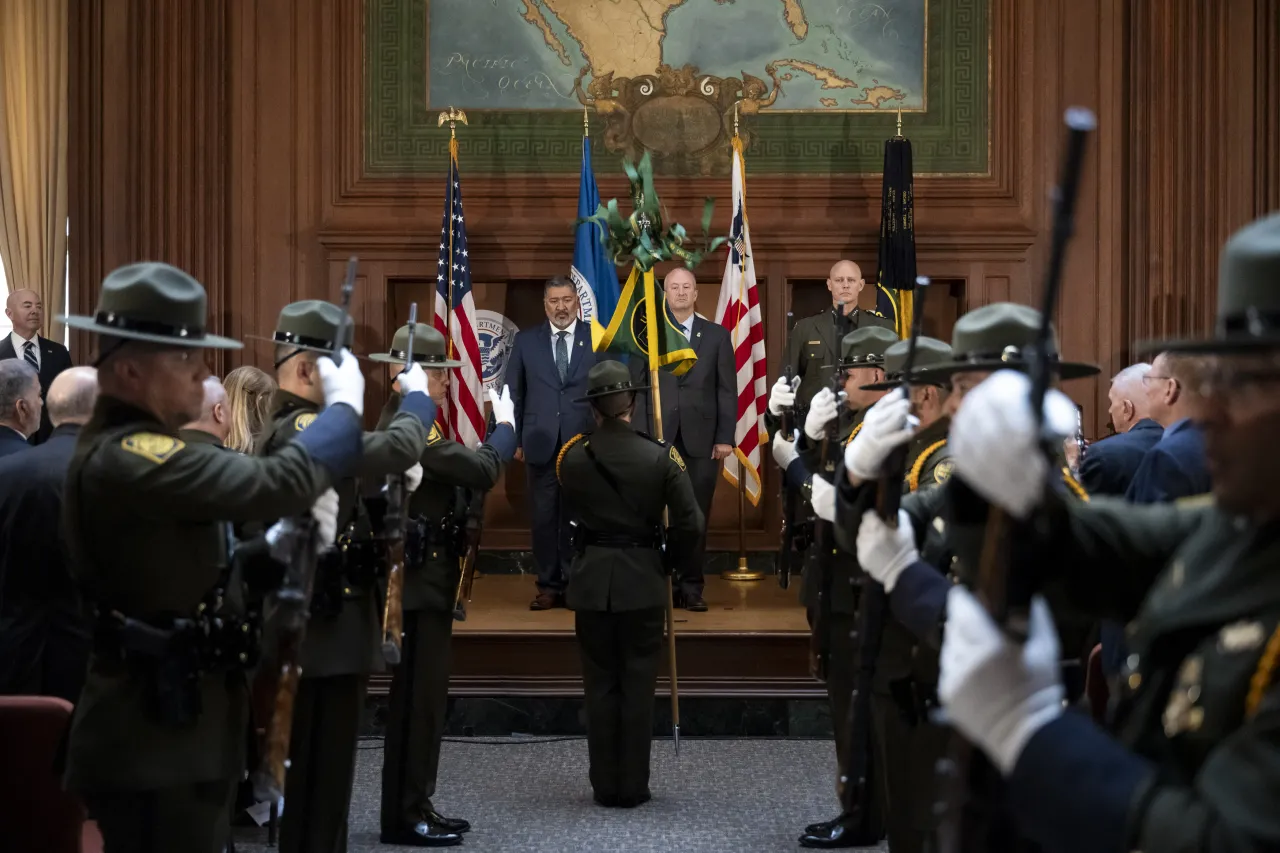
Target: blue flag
point(593, 272)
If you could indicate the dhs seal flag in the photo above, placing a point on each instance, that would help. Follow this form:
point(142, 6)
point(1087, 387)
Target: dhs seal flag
point(495, 332)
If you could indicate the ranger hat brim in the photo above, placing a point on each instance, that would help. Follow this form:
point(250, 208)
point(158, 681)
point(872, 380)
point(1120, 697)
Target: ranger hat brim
point(610, 390)
point(1061, 369)
point(397, 357)
point(893, 380)
point(176, 336)
point(155, 303)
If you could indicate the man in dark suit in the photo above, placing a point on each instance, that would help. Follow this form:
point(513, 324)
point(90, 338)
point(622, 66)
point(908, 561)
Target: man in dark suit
point(548, 374)
point(20, 405)
point(1109, 465)
point(26, 312)
point(814, 346)
point(1176, 466)
point(44, 639)
point(699, 413)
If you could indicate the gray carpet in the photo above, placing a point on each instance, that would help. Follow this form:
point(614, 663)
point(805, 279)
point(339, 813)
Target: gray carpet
point(720, 796)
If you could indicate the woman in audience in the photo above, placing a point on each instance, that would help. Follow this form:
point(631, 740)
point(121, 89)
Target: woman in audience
point(249, 393)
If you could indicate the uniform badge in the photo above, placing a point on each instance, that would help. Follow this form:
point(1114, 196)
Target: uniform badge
point(304, 420)
point(152, 446)
point(675, 457)
point(942, 472)
point(435, 436)
point(1241, 636)
point(1182, 714)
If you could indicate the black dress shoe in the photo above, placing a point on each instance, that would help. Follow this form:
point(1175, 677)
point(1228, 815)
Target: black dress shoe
point(609, 801)
point(425, 834)
point(838, 835)
point(632, 802)
point(695, 603)
point(821, 826)
point(449, 824)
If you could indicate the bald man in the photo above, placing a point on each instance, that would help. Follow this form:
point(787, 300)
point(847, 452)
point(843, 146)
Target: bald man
point(1110, 465)
point(49, 358)
point(813, 345)
point(214, 424)
point(44, 641)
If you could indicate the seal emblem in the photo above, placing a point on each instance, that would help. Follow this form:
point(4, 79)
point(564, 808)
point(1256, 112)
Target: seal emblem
point(586, 297)
point(495, 333)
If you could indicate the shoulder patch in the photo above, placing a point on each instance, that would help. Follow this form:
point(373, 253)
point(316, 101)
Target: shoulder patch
point(304, 420)
point(675, 457)
point(152, 446)
point(563, 450)
point(435, 436)
point(942, 471)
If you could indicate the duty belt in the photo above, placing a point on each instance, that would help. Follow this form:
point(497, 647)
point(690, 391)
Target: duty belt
point(651, 541)
point(422, 534)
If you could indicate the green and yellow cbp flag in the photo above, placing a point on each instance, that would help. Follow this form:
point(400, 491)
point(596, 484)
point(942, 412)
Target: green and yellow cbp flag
point(643, 325)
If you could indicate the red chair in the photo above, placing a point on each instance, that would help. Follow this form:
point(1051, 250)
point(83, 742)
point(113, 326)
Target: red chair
point(1095, 686)
point(36, 814)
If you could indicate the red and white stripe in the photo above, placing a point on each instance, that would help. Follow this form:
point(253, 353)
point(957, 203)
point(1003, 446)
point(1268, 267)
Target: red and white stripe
point(738, 310)
point(463, 418)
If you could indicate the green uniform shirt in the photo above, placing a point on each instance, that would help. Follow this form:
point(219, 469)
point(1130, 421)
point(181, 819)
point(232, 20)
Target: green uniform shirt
point(146, 517)
point(652, 476)
point(813, 351)
point(350, 642)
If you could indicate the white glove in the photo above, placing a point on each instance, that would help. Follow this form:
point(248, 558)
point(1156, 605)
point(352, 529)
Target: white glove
point(504, 410)
point(413, 478)
point(823, 499)
point(342, 383)
point(995, 444)
point(887, 425)
point(325, 512)
point(885, 552)
point(413, 379)
point(996, 692)
point(822, 411)
point(784, 450)
point(782, 396)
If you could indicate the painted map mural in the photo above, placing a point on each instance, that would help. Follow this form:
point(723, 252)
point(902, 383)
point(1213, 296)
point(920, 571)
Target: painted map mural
point(828, 55)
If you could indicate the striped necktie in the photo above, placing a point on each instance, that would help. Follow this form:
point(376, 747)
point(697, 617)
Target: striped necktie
point(29, 353)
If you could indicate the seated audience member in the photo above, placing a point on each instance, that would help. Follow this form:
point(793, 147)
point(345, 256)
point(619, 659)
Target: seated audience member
point(20, 405)
point(1109, 465)
point(249, 393)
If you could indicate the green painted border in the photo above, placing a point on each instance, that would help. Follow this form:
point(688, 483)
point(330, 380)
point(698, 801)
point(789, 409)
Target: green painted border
point(402, 138)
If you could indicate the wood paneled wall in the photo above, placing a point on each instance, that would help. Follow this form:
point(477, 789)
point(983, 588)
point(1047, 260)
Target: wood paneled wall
point(225, 136)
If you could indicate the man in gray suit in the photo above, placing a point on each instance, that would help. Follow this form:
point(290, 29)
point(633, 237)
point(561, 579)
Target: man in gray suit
point(699, 412)
point(813, 348)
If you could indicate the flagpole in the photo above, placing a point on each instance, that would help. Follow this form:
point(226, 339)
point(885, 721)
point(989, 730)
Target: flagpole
point(742, 572)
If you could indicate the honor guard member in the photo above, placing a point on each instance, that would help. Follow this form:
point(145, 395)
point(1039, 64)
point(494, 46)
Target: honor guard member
point(904, 680)
point(984, 340)
point(418, 704)
point(813, 348)
point(156, 742)
point(343, 643)
point(617, 483)
point(861, 363)
point(1194, 761)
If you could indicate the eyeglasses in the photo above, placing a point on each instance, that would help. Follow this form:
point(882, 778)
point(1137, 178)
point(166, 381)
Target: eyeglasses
point(1149, 378)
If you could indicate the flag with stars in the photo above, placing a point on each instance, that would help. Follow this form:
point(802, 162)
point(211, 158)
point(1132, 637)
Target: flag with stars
point(455, 317)
point(738, 310)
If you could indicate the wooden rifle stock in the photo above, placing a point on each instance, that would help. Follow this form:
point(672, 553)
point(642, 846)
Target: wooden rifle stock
point(964, 774)
point(394, 530)
point(293, 602)
point(474, 527)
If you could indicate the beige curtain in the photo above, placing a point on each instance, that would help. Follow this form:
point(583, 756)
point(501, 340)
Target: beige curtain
point(33, 150)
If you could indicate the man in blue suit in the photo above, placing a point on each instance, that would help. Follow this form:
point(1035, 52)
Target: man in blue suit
point(1109, 465)
point(547, 373)
point(21, 405)
point(1175, 467)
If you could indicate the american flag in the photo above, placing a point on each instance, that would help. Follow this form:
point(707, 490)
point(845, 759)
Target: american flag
point(738, 310)
point(455, 318)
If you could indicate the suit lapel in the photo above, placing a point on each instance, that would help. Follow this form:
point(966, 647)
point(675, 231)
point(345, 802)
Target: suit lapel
point(545, 355)
point(6, 348)
point(581, 343)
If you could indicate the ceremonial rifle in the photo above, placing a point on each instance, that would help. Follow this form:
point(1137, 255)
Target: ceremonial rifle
point(293, 601)
point(873, 601)
point(471, 548)
point(788, 551)
point(1008, 599)
point(823, 539)
point(394, 524)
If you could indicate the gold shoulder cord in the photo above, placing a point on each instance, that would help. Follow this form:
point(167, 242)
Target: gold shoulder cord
point(852, 434)
point(913, 479)
point(1072, 484)
point(1263, 675)
point(570, 443)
